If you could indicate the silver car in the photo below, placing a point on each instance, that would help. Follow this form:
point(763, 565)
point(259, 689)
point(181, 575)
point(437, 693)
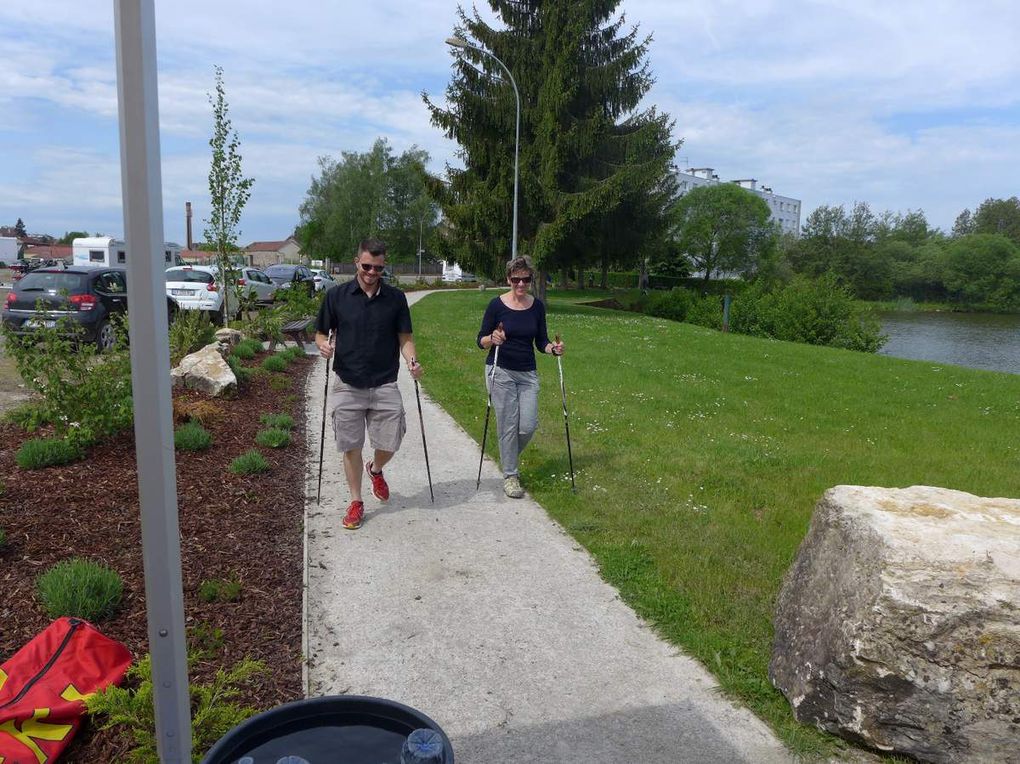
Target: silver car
point(322, 279)
point(257, 284)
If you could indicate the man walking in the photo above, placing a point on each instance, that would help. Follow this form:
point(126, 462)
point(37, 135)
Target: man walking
point(371, 327)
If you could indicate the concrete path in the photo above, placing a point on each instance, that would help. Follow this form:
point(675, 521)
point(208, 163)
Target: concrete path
point(482, 613)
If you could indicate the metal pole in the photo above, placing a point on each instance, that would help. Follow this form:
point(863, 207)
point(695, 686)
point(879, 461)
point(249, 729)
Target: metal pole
point(566, 419)
point(421, 221)
point(141, 187)
point(458, 42)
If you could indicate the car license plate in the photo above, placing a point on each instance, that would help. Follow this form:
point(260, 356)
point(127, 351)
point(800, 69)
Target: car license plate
point(182, 292)
point(35, 323)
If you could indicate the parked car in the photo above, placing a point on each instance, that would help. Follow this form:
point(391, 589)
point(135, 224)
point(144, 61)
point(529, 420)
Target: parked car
point(452, 277)
point(91, 297)
point(322, 279)
point(197, 287)
point(256, 284)
point(286, 276)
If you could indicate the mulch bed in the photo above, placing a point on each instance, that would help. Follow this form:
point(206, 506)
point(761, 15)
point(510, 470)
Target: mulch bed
point(247, 527)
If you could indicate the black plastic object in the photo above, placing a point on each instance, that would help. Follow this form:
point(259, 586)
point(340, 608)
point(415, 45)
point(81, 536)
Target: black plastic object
point(423, 747)
point(353, 729)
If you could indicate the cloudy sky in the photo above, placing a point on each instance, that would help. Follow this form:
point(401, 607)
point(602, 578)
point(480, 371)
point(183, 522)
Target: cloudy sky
point(912, 104)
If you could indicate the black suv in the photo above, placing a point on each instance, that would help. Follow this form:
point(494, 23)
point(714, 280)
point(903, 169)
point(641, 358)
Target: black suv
point(89, 296)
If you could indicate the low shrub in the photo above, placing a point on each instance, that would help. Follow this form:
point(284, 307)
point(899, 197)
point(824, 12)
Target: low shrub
point(279, 383)
point(29, 416)
point(673, 304)
point(274, 363)
point(249, 463)
point(205, 639)
point(80, 588)
point(264, 325)
point(295, 302)
point(815, 311)
point(192, 437)
point(203, 412)
point(218, 590)
point(241, 372)
point(215, 710)
point(706, 311)
point(37, 453)
point(3, 538)
point(191, 331)
point(249, 343)
point(295, 352)
point(278, 421)
point(84, 394)
point(273, 438)
point(243, 351)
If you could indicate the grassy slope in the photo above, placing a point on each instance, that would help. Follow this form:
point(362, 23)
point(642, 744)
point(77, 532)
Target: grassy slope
point(700, 456)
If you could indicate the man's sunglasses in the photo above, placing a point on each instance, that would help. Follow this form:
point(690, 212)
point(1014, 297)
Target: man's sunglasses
point(369, 267)
point(520, 279)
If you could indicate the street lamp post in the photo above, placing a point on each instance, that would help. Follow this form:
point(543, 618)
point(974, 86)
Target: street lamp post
point(421, 221)
point(459, 42)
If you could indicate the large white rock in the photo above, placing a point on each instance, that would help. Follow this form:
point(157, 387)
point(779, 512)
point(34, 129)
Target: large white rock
point(205, 370)
point(899, 623)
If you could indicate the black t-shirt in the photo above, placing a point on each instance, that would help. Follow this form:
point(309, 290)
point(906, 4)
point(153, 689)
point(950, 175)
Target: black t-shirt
point(522, 327)
point(367, 346)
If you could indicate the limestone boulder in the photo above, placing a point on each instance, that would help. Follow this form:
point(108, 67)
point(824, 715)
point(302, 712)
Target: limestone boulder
point(228, 337)
point(898, 625)
point(205, 370)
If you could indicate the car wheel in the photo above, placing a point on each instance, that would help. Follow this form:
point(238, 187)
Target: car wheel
point(106, 336)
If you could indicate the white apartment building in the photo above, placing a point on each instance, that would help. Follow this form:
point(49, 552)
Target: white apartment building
point(785, 209)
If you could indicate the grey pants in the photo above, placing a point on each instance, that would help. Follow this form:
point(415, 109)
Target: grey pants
point(515, 399)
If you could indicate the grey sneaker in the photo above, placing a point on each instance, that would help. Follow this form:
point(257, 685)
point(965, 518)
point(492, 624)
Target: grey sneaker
point(512, 487)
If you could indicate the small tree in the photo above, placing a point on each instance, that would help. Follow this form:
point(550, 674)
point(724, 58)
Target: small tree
point(229, 190)
point(19, 229)
point(723, 228)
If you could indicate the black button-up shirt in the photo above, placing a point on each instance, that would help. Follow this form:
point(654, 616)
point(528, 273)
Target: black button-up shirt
point(367, 343)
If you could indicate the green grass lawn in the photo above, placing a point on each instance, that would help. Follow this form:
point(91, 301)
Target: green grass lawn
point(699, 457)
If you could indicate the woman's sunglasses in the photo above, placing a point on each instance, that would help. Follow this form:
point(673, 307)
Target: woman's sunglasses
point(520, 279)
point(369, 267)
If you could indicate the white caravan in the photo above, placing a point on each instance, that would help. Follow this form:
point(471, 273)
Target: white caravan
point(8, 249)
point(109, 252)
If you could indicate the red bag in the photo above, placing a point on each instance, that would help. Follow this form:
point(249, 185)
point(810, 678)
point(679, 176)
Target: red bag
point(44, 684)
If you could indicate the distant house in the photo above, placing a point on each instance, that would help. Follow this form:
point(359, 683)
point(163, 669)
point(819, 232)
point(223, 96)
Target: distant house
point(262, 254)
point(198, 257)
point(48, 252)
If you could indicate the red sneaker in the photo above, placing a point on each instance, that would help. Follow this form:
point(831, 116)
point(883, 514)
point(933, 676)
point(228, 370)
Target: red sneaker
point(354, 516)
point(380, 490)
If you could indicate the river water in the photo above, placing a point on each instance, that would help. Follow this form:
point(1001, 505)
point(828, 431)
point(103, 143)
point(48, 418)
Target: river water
point(977, 340)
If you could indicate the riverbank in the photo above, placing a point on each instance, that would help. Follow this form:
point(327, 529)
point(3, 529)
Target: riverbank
point(700, 456)
point(907, 305)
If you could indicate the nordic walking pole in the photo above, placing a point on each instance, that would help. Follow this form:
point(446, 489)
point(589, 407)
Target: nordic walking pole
point(566, 422)
point(424, 445)
point(322, 436)
point(488, 407)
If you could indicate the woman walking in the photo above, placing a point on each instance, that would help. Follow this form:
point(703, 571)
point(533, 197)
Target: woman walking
point(514, 381)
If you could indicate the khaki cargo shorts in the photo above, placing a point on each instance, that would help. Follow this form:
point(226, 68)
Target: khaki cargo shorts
point(353, 409)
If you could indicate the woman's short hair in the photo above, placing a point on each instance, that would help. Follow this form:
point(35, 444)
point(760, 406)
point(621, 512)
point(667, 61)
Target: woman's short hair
point(519, 264)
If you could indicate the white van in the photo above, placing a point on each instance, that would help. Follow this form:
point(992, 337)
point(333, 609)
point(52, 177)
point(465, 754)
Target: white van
point(112, 253)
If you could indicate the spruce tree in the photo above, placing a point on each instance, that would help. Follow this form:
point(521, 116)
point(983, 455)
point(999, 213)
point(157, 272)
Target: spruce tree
point(595, 169)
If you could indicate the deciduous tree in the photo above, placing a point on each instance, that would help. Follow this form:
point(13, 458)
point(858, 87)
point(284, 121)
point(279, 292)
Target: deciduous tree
point(229, 189)
point(723, 228)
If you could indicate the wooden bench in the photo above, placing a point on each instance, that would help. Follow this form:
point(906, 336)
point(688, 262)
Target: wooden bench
point(296, 331)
